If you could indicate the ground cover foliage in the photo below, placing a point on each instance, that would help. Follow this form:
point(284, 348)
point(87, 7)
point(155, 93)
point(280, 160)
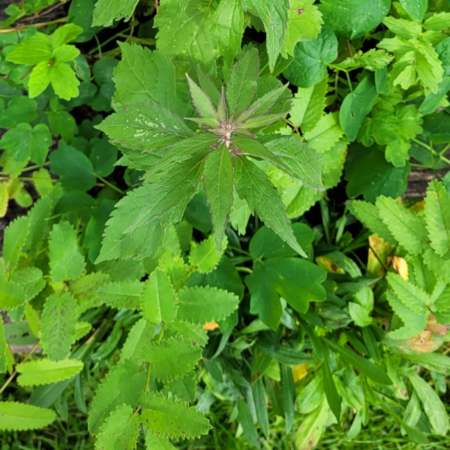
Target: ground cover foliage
point(207, 245)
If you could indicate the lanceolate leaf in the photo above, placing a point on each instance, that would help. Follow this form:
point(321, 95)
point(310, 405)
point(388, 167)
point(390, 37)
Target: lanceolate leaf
point(218, 181)
point(171, 418)
point(123, 384)
point(45, 371)
point(412, 296)
point(58, 325)
point(20, 417)
point(205, 304)
point(254, 186)
point(204, 256)
point(15, 236)
point(201, 101)
point(437, 217)
point(158, 298)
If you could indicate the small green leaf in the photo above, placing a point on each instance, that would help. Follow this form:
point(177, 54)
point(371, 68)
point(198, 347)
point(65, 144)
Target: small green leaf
point(64, 81)
point(20, 417)
point(15, 236)
point(122, 295)
point(44, 371)
point(204, 256)
point(30, 280)
point(65, 34)
point(32, 50)
point(412, 296)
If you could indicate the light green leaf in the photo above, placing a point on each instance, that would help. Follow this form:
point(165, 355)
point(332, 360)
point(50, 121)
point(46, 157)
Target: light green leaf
point(145, 126)
point(204, 256)
point(171, 358)
point(58, 319)
point(106, 11)
point(158, 299)
point(32, 50)
point(202, 304)
point(120, 430)
point(437, 22)
point(173, 419)
point(218, 182)
point(240, 214)
point(253, 185)
point(202, 103)
point(122, 294)
point(311, 58)
point(312, 427)
point(153, 442)
point(308, 105)
point(304, 24)
point(66, 53)
point(241, 85)
point(405, 29)
point(432, 361)
point(14, 239)
point(64, 81)
point(20, 417)
point(432, 404)
point(66, 260)
point(412, 296)
point(65, 34)
point(3, 347)
point(11, 294)
point(86, 289)
point(30, 280)
point(44, 371)
point(406, 227)
point(437, 217)
point(429, 67)
point(325, 134)
point(141, 333)
point(123, 384)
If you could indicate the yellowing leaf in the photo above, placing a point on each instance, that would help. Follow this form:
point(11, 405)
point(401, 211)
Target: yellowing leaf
point(400, 266)
point(299, 371)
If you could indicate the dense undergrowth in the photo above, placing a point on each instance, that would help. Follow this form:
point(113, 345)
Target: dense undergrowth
point(207, 245)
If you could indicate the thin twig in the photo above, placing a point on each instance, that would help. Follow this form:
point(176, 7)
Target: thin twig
point(36, 25)
point(42, 13)
point(349, 47)
point(157, 6)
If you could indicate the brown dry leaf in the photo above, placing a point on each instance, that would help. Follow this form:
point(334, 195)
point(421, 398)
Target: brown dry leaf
point(210, 326)
point(424, 342)
point(401, 267)
point(435, 327)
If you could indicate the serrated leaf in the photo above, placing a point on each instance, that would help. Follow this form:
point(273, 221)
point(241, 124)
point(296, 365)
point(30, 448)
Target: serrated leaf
point(120, 430)
point(429, 67)
point(145, 126)
point(253, 185)
point(183, 388)
point(44, 371)
point(202, 103)
point(171, 418)
point(432, 404)
point(205, 304)
point(265, 103)
point(194, 332)
point(204, 256)
point(122, 294)
point(20, 417)
point(124, 384)
point(106, 11)
point(308, 105)
point(11, 294)
point(15, 236)
point(158, 298)
point(58, 320)
point(411, 296)
point(218, 182)
point(406, 227)
point(141, 333)
point(32, 50)
point(38, 216)
point(437, 217)
point(30, 280)
point(66, 260)
point(153, 442)
point(171, 358)
point(413, 323)
point(304, 24)
point(325, 134)
point(3, 347)
point(86, 289)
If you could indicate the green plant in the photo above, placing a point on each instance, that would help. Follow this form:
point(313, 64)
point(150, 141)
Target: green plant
point(200, 252)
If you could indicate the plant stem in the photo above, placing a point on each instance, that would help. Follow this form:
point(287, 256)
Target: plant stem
point(36, 25)
point(244, 269)
point(110, 185)
point(109, 40)
point(99, 47)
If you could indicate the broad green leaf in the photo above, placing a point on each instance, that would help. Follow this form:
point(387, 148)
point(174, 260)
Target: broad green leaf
point(158, 299)
point(204, 256)
point(311, 58)
point(123, 384)
point(64, 81)
point(205, 304)
point(171, 358)
point(66, 53)
point(103, 156)
point(65, 34)
point(405, 29)
point(86, 289)
point(241, 85)
point(308, 105)
point(153, 442)
point(141, 333)
point(145, 126)
point(432, 404)
point(20, 417)
point(437, 22)
point(74, 168)
point(412, 296)
point(202, 103)
point(437, 217)
point(429, 67)
point(325, 134)
point(254, 186)
point(312, 427)
point(361, 364)
point(354, 18)
point(188, 29)
point(407, 228)
point(20, 109)
point(30, 280)
point(303, 161)
point(218, 182)
point(304, 24)
point(173, 419)
point(357, 105)
point(44, 371)
point(106, 11)
point(59, 318)
point(369, 215)
point(11, 294)
point(23, 142)
point(32, 50)
point(142, 75)
point(122, 294)
point(415, 8)
point(62, 123)
point(14, 239)
point(66, 260)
